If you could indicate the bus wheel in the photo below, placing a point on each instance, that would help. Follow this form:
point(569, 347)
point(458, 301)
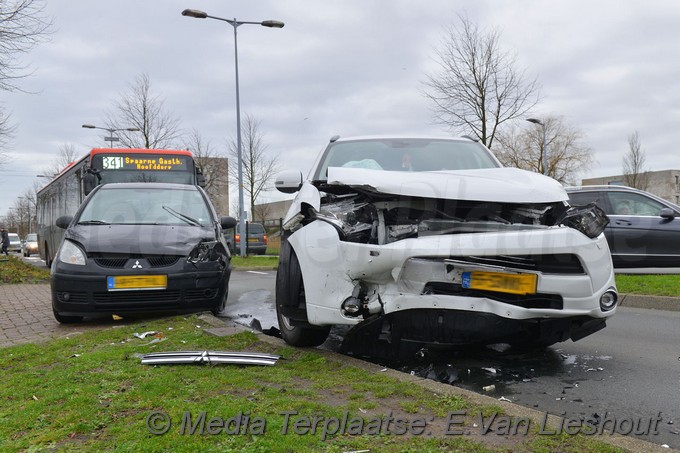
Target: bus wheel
point(48, 258)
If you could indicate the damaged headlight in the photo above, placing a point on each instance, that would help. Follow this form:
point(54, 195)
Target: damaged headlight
point(208, 251)
point(589, 219)
point(349, 217)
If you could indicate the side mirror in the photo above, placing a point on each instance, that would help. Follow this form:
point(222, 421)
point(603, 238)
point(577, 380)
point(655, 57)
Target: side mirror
point(89, 183)
point(228, 222)
point(200, 178)
point(64, 221)
point(288, 181)
point(667, 213)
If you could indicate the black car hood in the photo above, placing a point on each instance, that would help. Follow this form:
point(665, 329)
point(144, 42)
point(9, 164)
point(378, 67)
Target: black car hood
point(139, 239)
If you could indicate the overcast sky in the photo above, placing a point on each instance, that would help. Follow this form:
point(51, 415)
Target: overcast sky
point(345, 67)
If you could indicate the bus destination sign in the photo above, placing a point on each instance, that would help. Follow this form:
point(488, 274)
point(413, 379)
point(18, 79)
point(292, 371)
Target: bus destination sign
point(144, 162)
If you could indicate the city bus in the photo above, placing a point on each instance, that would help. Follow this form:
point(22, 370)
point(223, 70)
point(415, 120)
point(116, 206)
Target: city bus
point(63, 195)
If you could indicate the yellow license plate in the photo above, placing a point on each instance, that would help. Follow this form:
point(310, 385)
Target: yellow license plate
point(252, 239)
point(500, 282)
point(130, 282)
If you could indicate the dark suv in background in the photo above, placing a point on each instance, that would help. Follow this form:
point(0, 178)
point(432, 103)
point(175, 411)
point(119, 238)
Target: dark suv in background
point(256, 243)
point(643, 231)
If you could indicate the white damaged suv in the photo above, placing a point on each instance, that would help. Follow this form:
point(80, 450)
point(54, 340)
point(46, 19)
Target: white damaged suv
point(431, 240)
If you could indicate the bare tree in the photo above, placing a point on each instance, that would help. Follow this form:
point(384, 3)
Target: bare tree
point(258, 167)
point(262, 212)
point(477, 87)
point(566, 154)
point(138, 107)
point(634, 173)
point(22, 27)
point(215, 169)
point(7, 130)
point(67, 154)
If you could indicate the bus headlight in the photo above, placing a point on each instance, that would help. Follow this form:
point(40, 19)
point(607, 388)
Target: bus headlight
point(71, 254)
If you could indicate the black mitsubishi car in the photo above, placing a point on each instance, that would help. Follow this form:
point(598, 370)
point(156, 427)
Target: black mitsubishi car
point(141, 248)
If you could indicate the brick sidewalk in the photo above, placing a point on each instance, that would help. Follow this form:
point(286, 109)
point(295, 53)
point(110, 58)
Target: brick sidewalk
point(26, 316)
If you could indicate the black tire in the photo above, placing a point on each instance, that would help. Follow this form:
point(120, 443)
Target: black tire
point(66, 319)
point(48, 258)
point(291, 309)
point(223, 304)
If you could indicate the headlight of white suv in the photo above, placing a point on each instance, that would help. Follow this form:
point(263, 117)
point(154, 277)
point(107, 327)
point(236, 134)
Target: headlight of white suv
point(71, 254)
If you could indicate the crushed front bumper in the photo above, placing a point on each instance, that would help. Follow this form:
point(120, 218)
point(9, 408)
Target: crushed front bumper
point(420, 279)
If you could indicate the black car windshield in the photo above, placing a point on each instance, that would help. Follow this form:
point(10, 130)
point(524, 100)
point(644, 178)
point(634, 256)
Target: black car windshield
point(395, 154)
point(146, 205)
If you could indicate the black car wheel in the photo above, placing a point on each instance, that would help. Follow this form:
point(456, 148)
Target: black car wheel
point(223, 304)
point(291, 310)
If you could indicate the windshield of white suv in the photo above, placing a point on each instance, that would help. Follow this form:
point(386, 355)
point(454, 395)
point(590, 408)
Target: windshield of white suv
point(406, 155)
point(146, 206)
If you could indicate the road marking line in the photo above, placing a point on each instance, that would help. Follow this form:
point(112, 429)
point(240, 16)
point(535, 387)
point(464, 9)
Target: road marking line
point(257, 272)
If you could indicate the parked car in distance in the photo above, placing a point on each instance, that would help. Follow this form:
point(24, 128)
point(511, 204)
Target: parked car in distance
point(141, 248)
point(430, 240)
point(643, 231)
point(14, 243)
point(257, 239)
point(30, 245)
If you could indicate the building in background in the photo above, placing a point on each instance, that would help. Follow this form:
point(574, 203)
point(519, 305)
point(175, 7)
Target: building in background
point(271, 214)
point(664, 183)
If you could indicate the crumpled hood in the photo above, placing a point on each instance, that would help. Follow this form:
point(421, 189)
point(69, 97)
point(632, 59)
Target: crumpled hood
point(503, 185)
point(140, 239)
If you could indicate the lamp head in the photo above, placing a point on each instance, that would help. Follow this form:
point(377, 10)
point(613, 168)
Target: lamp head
point(195, 13)
point(272, 23)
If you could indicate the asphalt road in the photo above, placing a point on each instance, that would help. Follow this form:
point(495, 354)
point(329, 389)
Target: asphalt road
point(629, 370)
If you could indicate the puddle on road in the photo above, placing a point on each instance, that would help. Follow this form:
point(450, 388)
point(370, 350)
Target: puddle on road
point(254, 309)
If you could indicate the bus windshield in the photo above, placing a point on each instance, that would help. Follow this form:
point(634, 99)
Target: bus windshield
point(132, 167)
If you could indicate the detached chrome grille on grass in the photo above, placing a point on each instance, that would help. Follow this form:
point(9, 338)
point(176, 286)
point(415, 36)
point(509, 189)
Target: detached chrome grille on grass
point(209, 357)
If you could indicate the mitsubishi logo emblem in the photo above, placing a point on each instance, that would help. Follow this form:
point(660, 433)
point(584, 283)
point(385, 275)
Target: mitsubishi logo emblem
point(137, 265)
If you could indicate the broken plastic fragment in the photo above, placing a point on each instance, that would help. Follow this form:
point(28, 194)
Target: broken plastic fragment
point(143, 335)
point(488, 388)
point(502, 398)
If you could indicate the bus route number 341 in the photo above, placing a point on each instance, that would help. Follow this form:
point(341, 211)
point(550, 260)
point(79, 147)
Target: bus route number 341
point(112, 162)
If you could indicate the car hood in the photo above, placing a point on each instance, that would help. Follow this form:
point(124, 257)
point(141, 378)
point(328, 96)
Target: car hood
point(139, 239)
point(503, 185)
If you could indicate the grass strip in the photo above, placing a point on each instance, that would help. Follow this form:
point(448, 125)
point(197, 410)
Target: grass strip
point(91, 393)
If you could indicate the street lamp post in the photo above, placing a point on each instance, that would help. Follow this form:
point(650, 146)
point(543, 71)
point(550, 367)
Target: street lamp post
point(235, 23)
point(111, 130)
point(30, 203)
point(544, 154)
